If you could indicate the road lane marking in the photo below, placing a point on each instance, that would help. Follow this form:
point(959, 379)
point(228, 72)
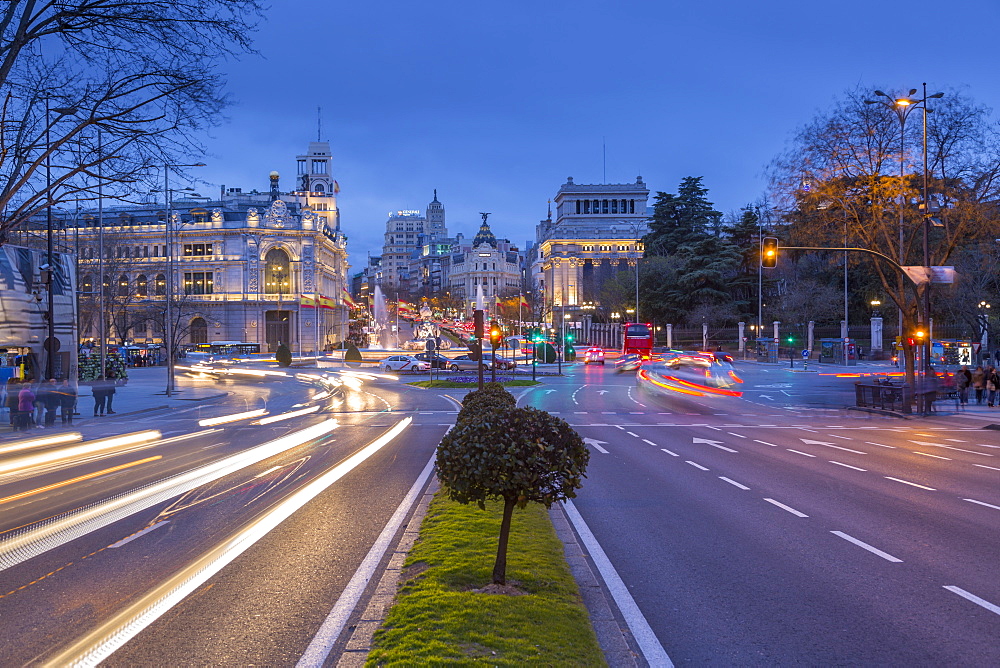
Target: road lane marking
point(646, 440)
point(856, 468)
point(982, 503)
point(927, 454)
point(789, 509)
point(846, 438)
point(800, 453)
point(630, 433)
point(907, 482)
point(104, 640)
point(137, 534)
point(735, 434)
point(765, 443)
point(808, 441)
point(71, 481)
point(733, 482)
point(891, 447)
point(670, 453)
point(995, 609)
point(323, 642)
point(648, 643)
point(984, 466)
point(866, 546)
point(697, 466)
point(596, 444)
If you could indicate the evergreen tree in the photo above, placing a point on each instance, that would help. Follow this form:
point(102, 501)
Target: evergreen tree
point(686, 217)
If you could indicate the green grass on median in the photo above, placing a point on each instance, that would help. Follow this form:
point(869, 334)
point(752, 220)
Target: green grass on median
point(451, 383)
point(438, 618)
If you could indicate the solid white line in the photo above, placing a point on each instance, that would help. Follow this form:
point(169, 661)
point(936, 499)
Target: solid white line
point(995, 609)
point(984, 466)
point(733, 482)
point(907, 482)
point(866, 546)
point(927, 454)
point(982, 503)
point(670, 453)
point(137, 534)
point(646, 440)
point(847, 466)
point(697, 466)
point(800, 453)
point(322, 643)
point(765, 443)
point(784, 507)
point(648, 643)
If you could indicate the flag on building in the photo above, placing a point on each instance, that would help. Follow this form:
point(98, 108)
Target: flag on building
point(336, 187)
point(524, 302)
point(307, 302)
point(496, 300)
point(326, 302)
point(347, 299)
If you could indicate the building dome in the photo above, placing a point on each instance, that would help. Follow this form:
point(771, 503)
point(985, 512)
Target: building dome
point(484, 236)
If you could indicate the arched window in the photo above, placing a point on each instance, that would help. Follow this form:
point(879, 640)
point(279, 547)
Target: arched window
point(87, 283)
point(319, 188)
point(199, 331)
point(123, 286)
point(277, 277)
point(161, 285)
point(141, 286)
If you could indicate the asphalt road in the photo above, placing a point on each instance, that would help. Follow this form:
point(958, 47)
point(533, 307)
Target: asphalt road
point(265, 606)
point(777, 529)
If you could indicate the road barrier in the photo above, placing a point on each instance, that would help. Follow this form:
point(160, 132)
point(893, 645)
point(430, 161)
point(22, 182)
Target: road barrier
point(884, 397)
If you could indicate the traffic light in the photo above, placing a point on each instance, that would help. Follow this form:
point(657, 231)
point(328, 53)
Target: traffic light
point(570, 337)
point(496, 336)
point(769, 252)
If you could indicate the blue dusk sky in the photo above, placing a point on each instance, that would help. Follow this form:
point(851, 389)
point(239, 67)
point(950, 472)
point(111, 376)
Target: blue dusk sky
point(495, 104)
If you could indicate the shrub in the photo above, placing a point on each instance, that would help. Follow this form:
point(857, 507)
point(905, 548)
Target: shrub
point(353, 355)
point(515, 455)
point(283, 355)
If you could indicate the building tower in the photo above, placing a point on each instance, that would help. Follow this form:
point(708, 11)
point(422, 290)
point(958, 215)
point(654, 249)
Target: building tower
point(314, 173)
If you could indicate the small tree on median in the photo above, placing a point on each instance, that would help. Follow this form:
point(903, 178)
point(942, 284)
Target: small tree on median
point(515, 455)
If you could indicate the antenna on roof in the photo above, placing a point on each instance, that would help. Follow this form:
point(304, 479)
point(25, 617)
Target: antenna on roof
point(604, 159)
point(319, 124)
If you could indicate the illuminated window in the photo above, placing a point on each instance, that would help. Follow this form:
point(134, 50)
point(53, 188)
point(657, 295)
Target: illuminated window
point(198, 283)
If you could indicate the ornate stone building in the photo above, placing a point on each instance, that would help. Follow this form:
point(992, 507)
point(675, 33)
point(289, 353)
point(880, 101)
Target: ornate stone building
point(595, 234)
point(258, 267)
point(495, 264)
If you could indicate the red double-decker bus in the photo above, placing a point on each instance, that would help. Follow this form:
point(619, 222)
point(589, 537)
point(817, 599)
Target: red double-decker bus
point(637, 339)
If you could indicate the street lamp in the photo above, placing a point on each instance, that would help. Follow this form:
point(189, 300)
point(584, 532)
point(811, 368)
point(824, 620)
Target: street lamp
point(50, 343)
point(168, 329)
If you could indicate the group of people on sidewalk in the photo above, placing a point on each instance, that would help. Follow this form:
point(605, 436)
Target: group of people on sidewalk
point(985, 382)
point(37, 404)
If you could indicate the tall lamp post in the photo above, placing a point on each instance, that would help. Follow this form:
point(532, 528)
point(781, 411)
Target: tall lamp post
point(50, 343)
point(168, 329)
point(902, 106)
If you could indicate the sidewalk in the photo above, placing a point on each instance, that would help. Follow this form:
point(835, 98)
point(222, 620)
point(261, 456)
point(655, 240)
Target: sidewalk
point(145, 391)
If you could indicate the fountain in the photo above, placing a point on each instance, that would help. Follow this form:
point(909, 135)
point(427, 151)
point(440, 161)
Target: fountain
point(378, 331)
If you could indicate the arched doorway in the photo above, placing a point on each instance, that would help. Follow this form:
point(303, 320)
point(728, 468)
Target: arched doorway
point(277, 283)
point(199, 331)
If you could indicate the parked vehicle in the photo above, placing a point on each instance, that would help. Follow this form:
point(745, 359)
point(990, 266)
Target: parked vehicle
point(434, 360)
point(404, 363)
point(466, 363)
point(501, 362)
point(593, 354)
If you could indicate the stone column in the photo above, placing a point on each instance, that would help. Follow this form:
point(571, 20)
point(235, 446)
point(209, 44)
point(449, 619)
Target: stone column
point(670, 336)
point(843, 329)
point(776, 336)
point(812, 337)
point(876, 333)
point(742, 344)
point(704, 336)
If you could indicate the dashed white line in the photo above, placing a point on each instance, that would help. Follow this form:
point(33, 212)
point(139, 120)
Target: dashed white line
point(984, 466)
point(907, 482)
point(881, 445)
point(856, 468)
point(733, 483)
point(618, 426)
point(722, 447)
point(800, 453)
point(927, 454)
point(982, 503)
point(995, 609)
point(674, 454)
point(843, 437)
point(697, 466)
point(735, 434)
point(866, 546)
point(955, 440)
point(631, 433)
point(789, 509)
point(765, 443)
point(646, 440)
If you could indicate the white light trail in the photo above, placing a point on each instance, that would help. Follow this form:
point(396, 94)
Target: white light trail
point(287, 416)
point(235, 417)
point(82, 450)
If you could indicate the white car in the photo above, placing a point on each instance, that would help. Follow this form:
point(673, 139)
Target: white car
point(403, 363)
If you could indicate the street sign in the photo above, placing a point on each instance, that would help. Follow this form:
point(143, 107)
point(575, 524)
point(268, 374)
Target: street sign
point(976, 347)
point(805, 354)
point(431, 345)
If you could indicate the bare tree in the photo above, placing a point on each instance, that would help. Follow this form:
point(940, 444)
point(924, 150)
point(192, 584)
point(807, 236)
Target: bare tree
point(142, 72)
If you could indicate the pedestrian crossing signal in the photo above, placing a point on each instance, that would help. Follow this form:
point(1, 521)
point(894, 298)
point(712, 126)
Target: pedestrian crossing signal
point(769, 253)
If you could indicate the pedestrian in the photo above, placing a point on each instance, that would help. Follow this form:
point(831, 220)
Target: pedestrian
point(39, 404)
point(992, 385)
point(100, 391)
point(979, 383)
point(25, 407)
point(963, 379)
point(110, 396)
point(11, 401)
point(48, 397)
point(67, 401)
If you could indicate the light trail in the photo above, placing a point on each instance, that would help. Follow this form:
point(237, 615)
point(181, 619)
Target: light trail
point(38, 538)
point(55, 439)
point(286, 416)
point(103, 641)
point(234, 417)
point(72, 481)
point(84, 449)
